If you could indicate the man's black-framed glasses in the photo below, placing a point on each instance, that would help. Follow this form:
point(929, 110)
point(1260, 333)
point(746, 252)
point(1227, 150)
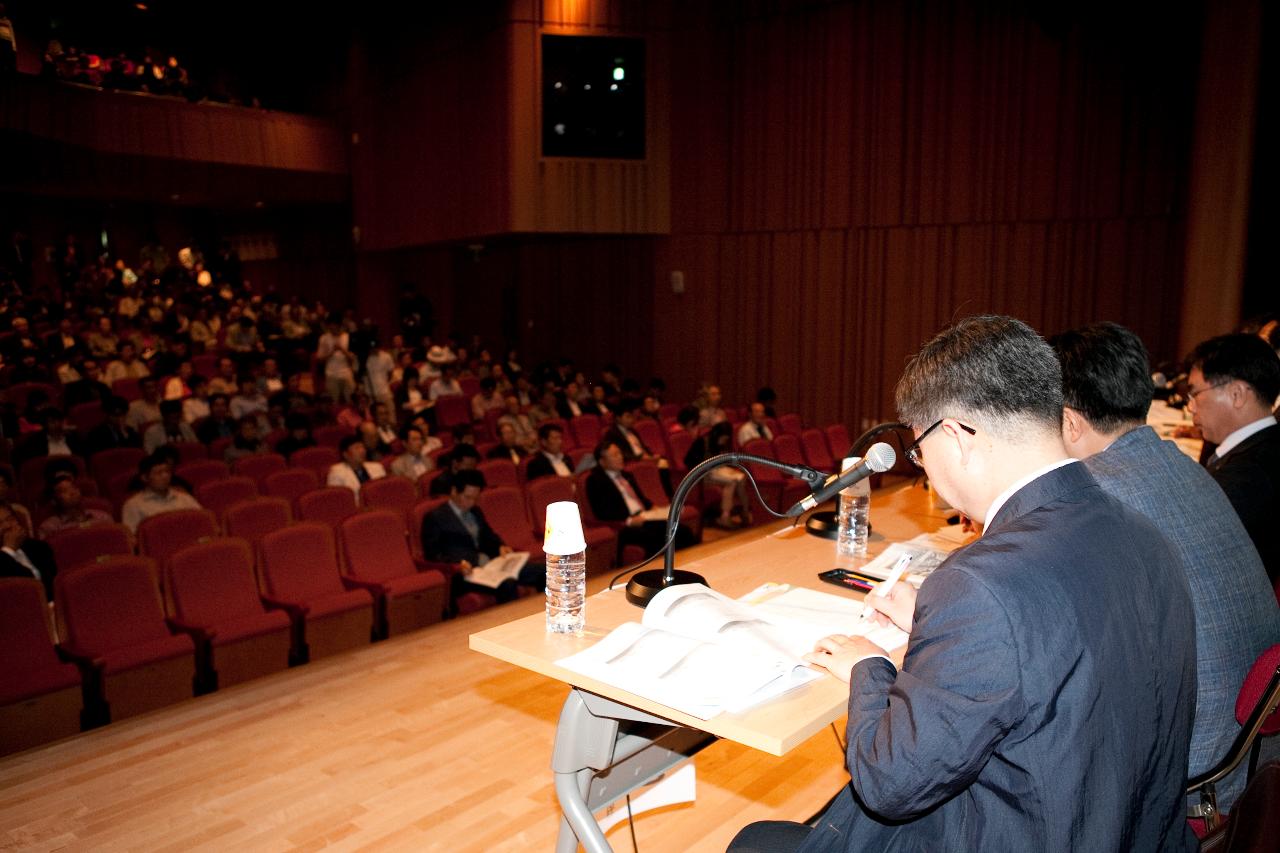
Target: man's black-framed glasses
point(917, 456)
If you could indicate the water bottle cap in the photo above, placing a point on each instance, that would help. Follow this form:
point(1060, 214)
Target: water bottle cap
point(563, 535)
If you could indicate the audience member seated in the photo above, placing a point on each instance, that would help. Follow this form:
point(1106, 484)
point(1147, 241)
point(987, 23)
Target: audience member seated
point(445, 385)
point(489, 399)
point(157, 495)
point(22, 556)
point(1107, 392)
point(756, 428)
point(414, 462)
point(1233, 383)
point(170, 428)
point(270, 380)
point(250, 400)
point(708, 404)
point(632, 446)
point(353, 470)
point(178, 385)
point(242, 338)
point(89, 388)
point(457, 532)
point(127, 366)
point(52, 440)
point(219, 424)
point(463, 457)
point(408, 399)
point(113, 431)
point(224, 381)
point(732, 481)
point(567, 403)
point(375, 449)
point(103, 342)
point(508, 447)
point(596, 403)
point(550, 460)
point(525, 434)
point(769, 398)
point(384, 418)
point(355, 412)
point(247, 440)
point(196, 406)
point(68, 507)
point(614, 495)
point(299, 435)
point(9, 496)
point(146, 409)
point(545, 409)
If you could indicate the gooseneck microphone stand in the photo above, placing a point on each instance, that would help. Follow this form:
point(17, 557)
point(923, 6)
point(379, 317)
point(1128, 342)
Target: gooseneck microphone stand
point(643, 586)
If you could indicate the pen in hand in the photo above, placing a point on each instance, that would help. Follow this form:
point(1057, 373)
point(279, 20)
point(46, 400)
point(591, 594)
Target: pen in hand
point(883, 588)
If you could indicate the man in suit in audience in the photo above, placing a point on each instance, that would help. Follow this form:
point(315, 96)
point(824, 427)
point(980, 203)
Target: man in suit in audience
point(1107, 391)
point(157, 495)
point(463, 457)
point(113, 431)
point(1046, 697)
point(354, 471)
point(614, 495)
point(53, 440)
point(550, 460)
point(414, 462)
point(1232, 383)
point(508, 446)
point(623, 434)
point(22, 556)
point(457, 532)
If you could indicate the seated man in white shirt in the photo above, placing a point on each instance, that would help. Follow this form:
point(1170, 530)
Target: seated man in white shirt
point(414, 462)
point(146, 410)
point(353, 471)
point(250, 400)
point(157, 495)
point(445, 385)
point(550, 460)
point(196, 406)
point(127, 366)
point(170, 428)
point(526, 435)
point(756, 428)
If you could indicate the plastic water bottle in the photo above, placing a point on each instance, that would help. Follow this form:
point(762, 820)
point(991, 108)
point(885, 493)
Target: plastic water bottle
point(566, 549)
point(853, 516)
point(566, 593)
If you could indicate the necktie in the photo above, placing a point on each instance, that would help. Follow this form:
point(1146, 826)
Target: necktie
point(362, 475)
point(628, 491)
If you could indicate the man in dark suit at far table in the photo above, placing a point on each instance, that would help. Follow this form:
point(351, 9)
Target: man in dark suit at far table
point(21, 556)
point(457, 532)
point(1045, 700)
point(1231, 388)
point(550, 460)
point(1107, 391)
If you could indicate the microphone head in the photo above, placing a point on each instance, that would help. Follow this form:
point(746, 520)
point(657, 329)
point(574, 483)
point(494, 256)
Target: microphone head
point(880, 457)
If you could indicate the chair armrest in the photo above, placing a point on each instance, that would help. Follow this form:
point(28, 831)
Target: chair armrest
point(372, 587)
point(295, 611)
point(198, 633)
point(79, 657)
point(446, 569)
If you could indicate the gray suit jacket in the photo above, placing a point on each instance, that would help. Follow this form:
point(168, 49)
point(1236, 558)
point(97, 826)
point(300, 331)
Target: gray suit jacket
point(1046, 697)
point(1236, 613)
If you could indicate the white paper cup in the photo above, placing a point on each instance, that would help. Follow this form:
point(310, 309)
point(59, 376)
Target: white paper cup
point(563, 535)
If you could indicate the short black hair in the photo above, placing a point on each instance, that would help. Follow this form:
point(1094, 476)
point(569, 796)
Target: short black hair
point(346, 442)
point(602, 447)
point(170, 407)
point(149, 462)
point(994, 371)
point(488, 383)
point(408, 428)
point(1106, 375)
point(1245, 357)
point(461, 450)
point(687, 415)
point(544, 431)
point(459, 480)
point(628, 405)
point(115, 405)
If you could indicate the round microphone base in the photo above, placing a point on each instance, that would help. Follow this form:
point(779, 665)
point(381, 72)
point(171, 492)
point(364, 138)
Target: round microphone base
point(823, 524)
point(643, 586)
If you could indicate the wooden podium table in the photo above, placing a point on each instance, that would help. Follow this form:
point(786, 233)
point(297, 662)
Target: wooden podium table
point(610, 742)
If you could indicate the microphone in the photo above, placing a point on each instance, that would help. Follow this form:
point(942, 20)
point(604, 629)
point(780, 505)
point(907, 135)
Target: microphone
point(880, 458)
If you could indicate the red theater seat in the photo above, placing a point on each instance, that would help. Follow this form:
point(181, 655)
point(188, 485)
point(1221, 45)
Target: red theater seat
point(218, 496)
point(40, 696)
point(291, 484)
point(329, 505)
point(160, 536)
point(379, 560)
point(300, 575)
point(77, 547)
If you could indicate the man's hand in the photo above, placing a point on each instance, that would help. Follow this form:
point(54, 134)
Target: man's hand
point(633, 520)
point(837, 654)
point(504, 550)
point(465, 567)
point(898, 607)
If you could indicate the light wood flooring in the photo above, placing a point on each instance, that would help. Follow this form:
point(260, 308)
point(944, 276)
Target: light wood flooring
point(415, 743)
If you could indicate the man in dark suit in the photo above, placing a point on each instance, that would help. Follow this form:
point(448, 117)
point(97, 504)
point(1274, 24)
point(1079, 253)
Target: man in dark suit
point(457, 532)
point(1107, 389)
point(20, 555)
point(623, 434)
point(550, 460)
point(1231, 388)
point(1046, 698)
point(614, 495)
point(113, 431)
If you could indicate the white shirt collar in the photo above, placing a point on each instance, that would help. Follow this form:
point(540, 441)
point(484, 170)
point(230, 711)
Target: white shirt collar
point(1230, 442)
point(1004, 496)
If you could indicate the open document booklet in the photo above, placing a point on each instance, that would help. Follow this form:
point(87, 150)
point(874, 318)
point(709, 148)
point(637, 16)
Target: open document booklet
point(499, 569)
point(701, 652)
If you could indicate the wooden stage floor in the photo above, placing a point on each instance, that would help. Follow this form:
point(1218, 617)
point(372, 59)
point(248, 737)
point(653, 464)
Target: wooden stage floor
point(416, 743)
